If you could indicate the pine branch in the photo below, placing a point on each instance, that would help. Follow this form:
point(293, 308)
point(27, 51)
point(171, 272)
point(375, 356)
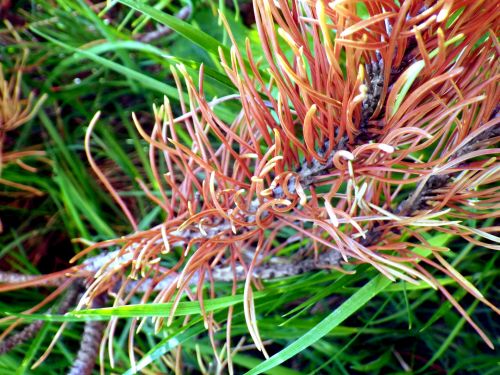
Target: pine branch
point(33, 328)
point(276, 268)
point(89, 344)
point(418, 200)
point(24, 335)
point(374, 84)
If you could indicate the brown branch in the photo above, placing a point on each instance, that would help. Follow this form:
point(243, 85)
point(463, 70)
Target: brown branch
point(89, 344)
point(276, 268)
point(22, 336)
point(33, 328)
point(18, 278)
point(419, 198)
point(374, 83)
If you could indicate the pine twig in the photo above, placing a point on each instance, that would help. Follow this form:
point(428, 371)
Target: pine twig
point(33, 328)
point(89, 344)
point(19, 278)
point(418, 199)
point(22, 336)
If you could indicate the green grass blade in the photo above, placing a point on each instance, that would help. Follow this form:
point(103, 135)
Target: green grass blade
point(349, 307)
point(163, 309)
point(344, 311)
point(413, 72)
point(144, 79)
point(205, 41)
